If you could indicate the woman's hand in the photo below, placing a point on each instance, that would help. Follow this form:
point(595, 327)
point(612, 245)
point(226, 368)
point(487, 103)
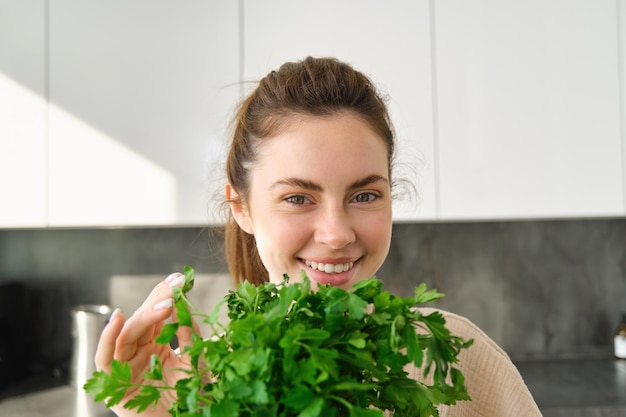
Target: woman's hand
point(133, 341)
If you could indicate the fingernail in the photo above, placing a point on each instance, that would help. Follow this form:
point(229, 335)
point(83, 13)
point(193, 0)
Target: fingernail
point(163, 304)
point(114, 314)
point(177, 281)
point(173, 276)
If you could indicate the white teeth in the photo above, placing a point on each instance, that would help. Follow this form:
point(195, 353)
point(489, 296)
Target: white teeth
point(330, 268)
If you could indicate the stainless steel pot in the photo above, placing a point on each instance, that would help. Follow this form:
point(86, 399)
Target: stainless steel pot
point(88, 321)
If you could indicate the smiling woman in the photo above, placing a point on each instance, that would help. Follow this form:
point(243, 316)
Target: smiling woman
point(317, 131)
point(327, 212)
point(309, 189)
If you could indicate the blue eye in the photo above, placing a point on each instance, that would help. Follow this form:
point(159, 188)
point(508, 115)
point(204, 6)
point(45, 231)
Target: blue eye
point(296, 199)
point(365, 198)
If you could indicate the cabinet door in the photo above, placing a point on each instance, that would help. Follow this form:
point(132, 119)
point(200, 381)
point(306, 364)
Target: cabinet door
point(139, 97)
point(22, 114)
point(389, 41)
point(621, 6)
point(528, 109)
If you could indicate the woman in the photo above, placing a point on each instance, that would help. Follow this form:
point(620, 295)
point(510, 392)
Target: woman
point(309, 188)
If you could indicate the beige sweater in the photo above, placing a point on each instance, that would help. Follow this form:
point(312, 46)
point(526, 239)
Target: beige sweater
point(493, 382)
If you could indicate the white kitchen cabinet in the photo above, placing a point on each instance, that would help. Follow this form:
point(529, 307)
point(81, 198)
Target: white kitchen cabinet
point(22, 114)
point(528, 109)
point(139, 97)
point(621, 6)
point(390, 41)
point(114, 113)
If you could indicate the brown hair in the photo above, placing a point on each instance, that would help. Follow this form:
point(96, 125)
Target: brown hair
point(315, 87)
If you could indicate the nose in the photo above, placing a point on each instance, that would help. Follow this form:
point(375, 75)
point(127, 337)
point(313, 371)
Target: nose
point(334, 228)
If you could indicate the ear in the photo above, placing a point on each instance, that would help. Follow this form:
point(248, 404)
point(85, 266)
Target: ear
point(238, 209)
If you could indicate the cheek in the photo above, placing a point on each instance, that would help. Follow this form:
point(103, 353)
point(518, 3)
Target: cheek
point(278, 234)
point(278, 242)
point(376, 234)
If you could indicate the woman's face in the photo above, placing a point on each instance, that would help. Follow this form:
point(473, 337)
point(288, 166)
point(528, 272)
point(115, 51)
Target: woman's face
point(320, 201)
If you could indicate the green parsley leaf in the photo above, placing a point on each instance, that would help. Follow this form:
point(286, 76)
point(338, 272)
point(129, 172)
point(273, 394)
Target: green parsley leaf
point(167, 333)
point(291, 351)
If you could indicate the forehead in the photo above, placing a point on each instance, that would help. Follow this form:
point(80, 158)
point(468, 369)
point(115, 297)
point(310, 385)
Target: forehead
point(329, 147)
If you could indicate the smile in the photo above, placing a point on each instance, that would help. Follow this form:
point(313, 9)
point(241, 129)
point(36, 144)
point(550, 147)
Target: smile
point(330, 268)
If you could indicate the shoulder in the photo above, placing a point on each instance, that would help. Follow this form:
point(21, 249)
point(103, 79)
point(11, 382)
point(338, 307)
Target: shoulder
point(493, 382)
point(465, 328)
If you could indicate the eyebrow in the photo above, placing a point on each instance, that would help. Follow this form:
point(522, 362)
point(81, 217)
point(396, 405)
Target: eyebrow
point(370, 179)
point(310, 185)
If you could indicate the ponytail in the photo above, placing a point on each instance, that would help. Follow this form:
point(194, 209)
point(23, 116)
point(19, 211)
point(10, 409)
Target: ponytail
point(242, 255)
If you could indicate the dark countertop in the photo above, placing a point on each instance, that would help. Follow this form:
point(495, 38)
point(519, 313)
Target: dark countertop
point(566, 387)
point(64, 401)
point(577, 387)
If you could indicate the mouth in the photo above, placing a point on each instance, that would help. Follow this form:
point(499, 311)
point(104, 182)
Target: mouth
point(329, 268)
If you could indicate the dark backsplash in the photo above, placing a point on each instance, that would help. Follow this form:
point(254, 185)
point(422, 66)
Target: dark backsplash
point(538, 288)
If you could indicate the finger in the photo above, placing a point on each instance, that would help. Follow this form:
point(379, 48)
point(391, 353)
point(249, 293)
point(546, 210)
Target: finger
point(139, 330)
point(106, 345)
point(143, 327)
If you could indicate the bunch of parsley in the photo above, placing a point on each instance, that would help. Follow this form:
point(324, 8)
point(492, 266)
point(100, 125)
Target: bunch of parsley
point(291, 351)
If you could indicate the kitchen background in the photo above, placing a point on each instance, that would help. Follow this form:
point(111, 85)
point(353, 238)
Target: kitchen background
point(510, 120)
point(539, 288)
